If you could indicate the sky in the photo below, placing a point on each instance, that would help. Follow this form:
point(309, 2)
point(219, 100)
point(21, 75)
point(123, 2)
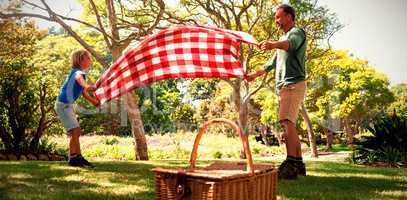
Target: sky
point(374, 30)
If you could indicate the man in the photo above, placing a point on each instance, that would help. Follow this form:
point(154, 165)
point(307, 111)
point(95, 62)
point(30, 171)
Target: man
point(289, 61)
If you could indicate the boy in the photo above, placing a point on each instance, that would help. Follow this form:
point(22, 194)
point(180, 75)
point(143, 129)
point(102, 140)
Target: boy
point(73, 87)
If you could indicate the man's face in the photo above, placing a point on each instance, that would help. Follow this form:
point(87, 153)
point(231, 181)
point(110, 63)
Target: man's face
point(281, 18)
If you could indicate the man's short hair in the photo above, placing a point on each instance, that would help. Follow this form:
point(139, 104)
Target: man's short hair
point(288, 10)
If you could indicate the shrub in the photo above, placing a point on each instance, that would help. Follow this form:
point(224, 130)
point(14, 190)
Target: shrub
point(110, 141)
point(217, 155)
point(387, 142)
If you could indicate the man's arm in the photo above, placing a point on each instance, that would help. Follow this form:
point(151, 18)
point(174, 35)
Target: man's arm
point(268, 67)
point(269, 45)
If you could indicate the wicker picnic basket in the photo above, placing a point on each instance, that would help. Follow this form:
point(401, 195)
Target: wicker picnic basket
point(220, 180)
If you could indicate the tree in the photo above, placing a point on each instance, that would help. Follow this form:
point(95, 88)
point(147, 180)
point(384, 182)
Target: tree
point(254, 17)
point(346, 89)
point(119, 26)
point(24, 113)
point(400, 104)
point(162, 102)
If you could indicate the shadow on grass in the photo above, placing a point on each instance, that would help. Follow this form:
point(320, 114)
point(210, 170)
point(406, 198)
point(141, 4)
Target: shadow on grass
point(135, 180)
point(55, 180)
point(345, 181)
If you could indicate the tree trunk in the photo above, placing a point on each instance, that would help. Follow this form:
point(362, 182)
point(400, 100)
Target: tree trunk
point(242, 109)
point(140, 142)
point(41, 124)
point(137, 128)
point(264, 135)
point(279, 137)
point(329, 140)
point(311, 136)
point(349, 133)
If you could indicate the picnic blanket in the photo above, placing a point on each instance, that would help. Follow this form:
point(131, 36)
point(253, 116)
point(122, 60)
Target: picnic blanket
point(179, 52)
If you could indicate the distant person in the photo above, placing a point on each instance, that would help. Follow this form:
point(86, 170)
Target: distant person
point(289, 62)
point(75, 85)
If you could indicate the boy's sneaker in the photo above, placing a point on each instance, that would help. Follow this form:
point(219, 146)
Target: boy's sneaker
point(301, 168)
point(287, 170)
point(84, 162)
point(75, 162)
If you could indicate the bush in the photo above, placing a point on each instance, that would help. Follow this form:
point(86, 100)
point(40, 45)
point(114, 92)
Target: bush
point(110, 141)
point(217, 155)
point(387, 142)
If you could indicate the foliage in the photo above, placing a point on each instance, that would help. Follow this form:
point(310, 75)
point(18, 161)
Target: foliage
point(162, 102)
point(17, 39)
point(200, 89)
point(23, 110)
point(268, 100)
point(110, 141)
point(343, 87)
point(400, 104)
point(176, 145)
point(256, 18)
point(387, 142)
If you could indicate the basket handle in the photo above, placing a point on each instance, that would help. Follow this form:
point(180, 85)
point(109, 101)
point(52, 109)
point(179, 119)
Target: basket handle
point(233, 125)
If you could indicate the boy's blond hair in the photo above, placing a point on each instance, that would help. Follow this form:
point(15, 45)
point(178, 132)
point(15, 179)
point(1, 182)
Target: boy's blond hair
point(77, 57)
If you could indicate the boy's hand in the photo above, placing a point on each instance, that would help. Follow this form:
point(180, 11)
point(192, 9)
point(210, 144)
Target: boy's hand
point(96, 103)
point(91, 88)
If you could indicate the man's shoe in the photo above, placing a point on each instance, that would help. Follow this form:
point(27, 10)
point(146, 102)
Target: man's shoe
point(287, 170)
point(301, 168)
point(75, 162)
point(84, 162)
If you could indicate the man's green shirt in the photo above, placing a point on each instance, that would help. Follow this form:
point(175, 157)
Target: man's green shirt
point(290, 65)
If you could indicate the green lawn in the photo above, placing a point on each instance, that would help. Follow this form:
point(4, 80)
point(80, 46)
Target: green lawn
point(134, 180)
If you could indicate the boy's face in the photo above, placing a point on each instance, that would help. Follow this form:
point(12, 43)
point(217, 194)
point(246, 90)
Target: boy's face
point(86, 63)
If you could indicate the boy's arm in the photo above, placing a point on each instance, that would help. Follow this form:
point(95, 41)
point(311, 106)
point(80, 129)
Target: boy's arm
point(82, 81)
point(92, 100)
point(86, 88)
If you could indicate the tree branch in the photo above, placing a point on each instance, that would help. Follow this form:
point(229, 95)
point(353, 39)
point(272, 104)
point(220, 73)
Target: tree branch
point(103, 31)
point(264, 81)
point(158, 18)
point(111, 14)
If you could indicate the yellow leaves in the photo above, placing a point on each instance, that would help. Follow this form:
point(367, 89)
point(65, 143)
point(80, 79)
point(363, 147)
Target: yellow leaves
point(353, 87)
point(17, 39)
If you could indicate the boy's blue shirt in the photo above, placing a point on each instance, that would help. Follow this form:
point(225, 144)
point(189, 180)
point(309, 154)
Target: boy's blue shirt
point(71, 89)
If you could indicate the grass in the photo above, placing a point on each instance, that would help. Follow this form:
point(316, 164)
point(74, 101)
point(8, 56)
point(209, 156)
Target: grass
point(116, 177)
point(169, 146)
point(134, 180)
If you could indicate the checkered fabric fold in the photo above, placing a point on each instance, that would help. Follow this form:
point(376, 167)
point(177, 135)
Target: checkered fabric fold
point(179, 52)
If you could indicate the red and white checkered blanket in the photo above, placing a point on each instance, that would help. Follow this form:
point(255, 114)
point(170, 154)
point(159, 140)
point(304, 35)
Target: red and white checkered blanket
point(179, 52)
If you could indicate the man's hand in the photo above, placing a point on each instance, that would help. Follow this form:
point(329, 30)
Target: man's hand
point(252, 76)
point(267, 45)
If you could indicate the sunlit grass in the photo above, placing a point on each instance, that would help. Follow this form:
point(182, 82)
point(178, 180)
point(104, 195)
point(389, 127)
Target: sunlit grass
point(168, 146)
point(135, 180)
point(115, 177)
